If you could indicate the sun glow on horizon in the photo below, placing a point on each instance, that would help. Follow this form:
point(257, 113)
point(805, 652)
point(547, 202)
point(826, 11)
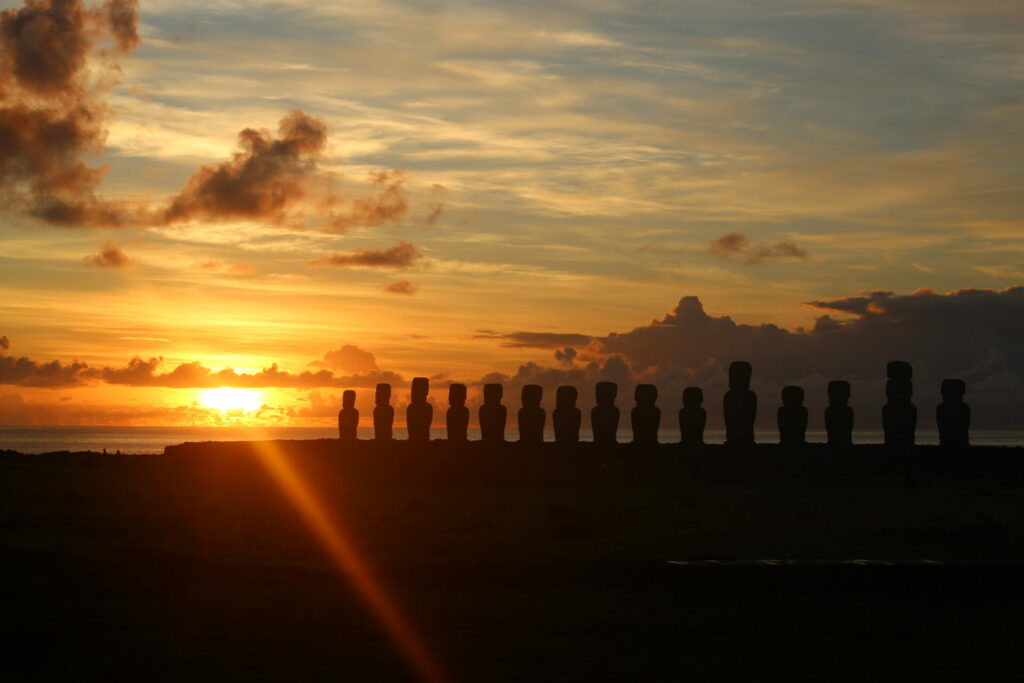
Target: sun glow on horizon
point(230, 399)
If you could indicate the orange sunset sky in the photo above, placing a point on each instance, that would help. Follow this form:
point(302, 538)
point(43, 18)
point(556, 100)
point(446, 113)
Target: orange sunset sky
point(287, 199)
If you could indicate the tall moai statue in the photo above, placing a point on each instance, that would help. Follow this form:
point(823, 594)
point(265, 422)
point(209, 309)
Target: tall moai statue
point(839, 414)
point(953, 415)
point(457, 417)
point(492, 414)
point(567, 417)
point(899, 415)
point(792, 417)
point(383, 413)
point(692, 418)
point(531, 416)
point(645, 418)
point(348, 417)
point(739, 406)
point(604, 417)
point(420, 413)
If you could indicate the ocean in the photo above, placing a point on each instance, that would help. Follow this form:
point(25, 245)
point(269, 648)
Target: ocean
point(154, 439)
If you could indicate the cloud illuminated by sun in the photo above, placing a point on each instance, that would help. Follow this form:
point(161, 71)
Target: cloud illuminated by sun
point(229, 399)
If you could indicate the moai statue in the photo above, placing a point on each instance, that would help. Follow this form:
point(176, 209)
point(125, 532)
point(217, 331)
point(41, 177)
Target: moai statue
point(567, 417)
point(531, 416)
point(899, 415)
point(953, 415)
point(739, 406)
point(419, 414)
point(692, 418)
point(792, 417)
point(492, 414)
point(604, 417)
point(383, 413)
point(839, 414)
point(348, 417)
point(645, 418)
point(458, 413)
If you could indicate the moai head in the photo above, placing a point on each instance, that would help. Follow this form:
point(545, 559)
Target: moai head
point(792, 396)
point(457, 395)
point(348, 399)
point(383, 396)
point(493, 394)
point(606, 393)
point(420, 388)
point(565, 397)
point(739, 375)
point(899, 369)
point(693, 397)
point(838, 392)
point(953, 390)
point(899, 390)
point(645, 395)
point(531, 395)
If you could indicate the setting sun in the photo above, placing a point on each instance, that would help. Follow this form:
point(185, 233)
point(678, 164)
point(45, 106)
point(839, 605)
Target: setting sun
point(227, 399)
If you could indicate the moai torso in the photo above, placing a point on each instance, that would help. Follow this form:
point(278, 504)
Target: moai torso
point(493, 414)
point(792, 417)
point(838, 414)
point(604, 417)
point(692, 418)
point(645, 418)
point(383, 413)
point(531, 417)
point(566, 417)
point(899, 415)
point(420, 413)
point(457, 417)
point(739, 406)
point(348, 417)
point(953, 416)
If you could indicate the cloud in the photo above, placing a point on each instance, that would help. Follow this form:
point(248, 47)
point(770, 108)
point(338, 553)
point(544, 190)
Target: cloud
point(218, 266)
point(402, 287)
point(350, 358)
point(5, 343)
point(534, 340)
point(566, 356)
point(50, 113)
point(399, 257)
point(26, 372)
point(111, 256)
point(279, 178)
point(440, 193)
point(738, 244)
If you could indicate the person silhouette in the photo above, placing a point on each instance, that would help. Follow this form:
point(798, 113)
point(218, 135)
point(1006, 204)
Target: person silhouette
point(457, 417)
point(953, 415)
point(492, 414)
point(739, 406)
point(792, 417)
point(604, 417)
point(567, 417)
point(420, 413)
point(838, 414)
point(348, 417)
point(383, 413)
point(899, 415)
point(531, 416)
point(692, 418)
point(645, 418)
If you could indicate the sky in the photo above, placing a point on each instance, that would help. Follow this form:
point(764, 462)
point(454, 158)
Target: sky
point(294, 198)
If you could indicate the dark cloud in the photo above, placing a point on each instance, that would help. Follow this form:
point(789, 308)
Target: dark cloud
point(565, 356)
point(399, 257)
point(534, 340)
point(738, 244)
point(349, 358)
point(111, 256)
point(402, 287)
point(5, 343)
point(389, 205)
point(977, 335)
point(50, 112)
point(25, 372)
point(440, 193)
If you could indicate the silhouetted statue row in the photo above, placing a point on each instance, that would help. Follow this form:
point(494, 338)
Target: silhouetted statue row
point(899, 415)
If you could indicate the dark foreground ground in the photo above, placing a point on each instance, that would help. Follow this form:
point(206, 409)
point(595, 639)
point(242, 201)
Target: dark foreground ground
point(516, 566)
